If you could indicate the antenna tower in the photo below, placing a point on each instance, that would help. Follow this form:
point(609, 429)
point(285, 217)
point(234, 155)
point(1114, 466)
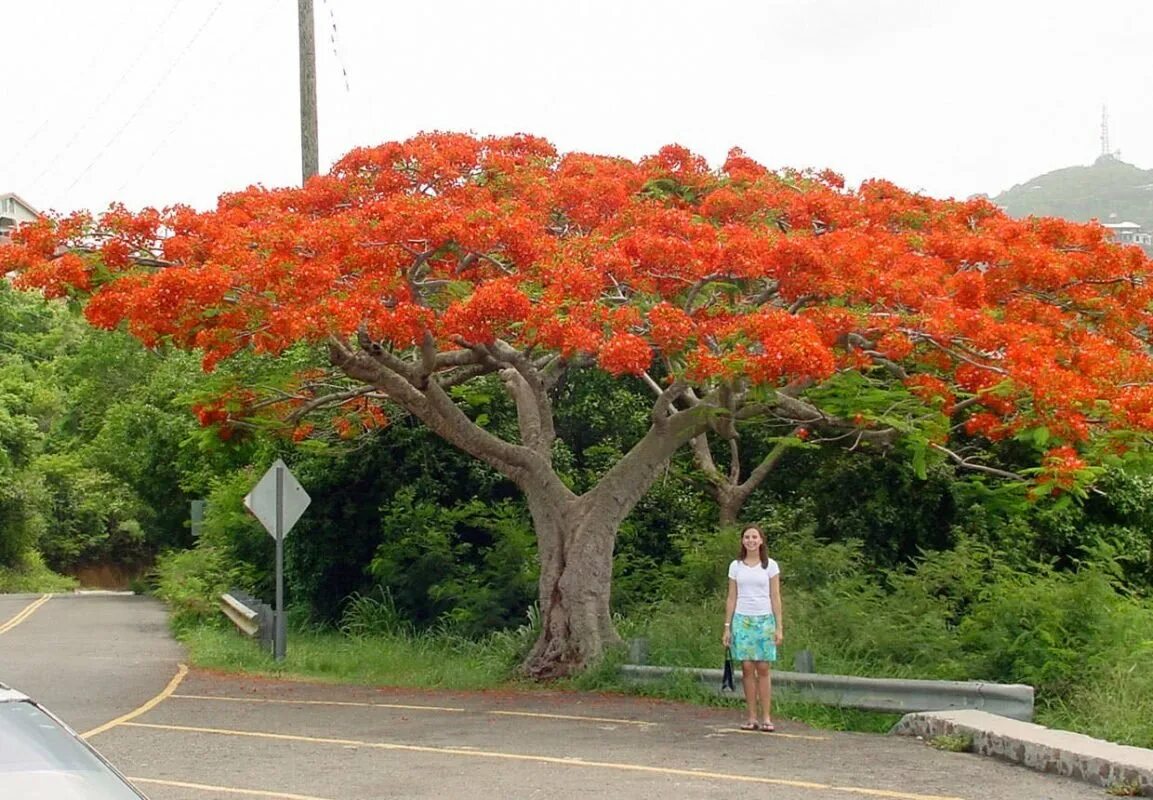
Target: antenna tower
point(1106, 150)
point(1105, 132)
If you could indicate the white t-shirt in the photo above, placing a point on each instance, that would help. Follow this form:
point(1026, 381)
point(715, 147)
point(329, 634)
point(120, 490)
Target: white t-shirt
point(753, 599)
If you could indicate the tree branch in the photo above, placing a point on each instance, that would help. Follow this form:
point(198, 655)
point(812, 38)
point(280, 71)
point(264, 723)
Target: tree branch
point(436, 410)
point(704, 458)
point(382, 355)
point(965, 463)
point(892, 367)
point(336, 398)
point(663, 407)
point(765, 467)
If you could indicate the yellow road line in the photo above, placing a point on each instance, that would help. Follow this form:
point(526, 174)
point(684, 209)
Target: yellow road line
point(226, 789)
point(777, 734)
point(151, 704)
point(278, 701)
point(571, 762)
point(25, 613)
point(312, 702)
point(573, 717)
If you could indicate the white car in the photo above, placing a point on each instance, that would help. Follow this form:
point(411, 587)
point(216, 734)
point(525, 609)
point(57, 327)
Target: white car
point(41, 758)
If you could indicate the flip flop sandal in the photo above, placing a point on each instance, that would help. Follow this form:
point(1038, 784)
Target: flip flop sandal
point(766, 727)
point(750, 726)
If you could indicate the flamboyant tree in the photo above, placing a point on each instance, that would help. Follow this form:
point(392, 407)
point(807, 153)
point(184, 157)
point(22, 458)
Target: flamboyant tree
point(737, 294)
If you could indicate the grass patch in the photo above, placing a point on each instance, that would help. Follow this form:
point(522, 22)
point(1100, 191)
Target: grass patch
point(1117, 708)
point(1124, 789)
point(30, 576)
point(419, 662)
point(952, 743)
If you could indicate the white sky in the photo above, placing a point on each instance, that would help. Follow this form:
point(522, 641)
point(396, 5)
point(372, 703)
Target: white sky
point(153, 102)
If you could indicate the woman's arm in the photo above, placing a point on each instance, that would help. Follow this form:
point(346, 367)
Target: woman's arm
point(778, 609)
point(730, 607)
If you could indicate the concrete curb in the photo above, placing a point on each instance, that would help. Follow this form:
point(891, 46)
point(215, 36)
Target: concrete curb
point(1064, 753)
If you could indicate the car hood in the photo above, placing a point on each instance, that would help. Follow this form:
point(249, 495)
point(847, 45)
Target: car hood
point(58, 785)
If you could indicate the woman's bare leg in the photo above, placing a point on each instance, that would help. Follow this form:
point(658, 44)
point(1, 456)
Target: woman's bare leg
point(749, 679)
point(765, 689)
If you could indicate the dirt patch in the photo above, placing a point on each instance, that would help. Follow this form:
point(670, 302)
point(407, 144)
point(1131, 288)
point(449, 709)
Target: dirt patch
point(116, 577)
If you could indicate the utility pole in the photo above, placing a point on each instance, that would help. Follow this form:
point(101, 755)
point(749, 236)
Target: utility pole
point(309, 140)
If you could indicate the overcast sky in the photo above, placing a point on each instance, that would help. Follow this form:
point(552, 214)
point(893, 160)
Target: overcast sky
point(154, 102)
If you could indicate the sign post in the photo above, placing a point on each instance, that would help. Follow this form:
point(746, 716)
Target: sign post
point(198, 507)
point(277, 501)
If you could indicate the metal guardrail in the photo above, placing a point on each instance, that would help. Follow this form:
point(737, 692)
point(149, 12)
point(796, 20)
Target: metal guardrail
point(247, 620)
point(250, 616)
point(897, 695)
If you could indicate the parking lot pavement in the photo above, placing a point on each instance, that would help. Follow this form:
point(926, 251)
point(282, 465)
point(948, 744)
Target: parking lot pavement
point(217, 736)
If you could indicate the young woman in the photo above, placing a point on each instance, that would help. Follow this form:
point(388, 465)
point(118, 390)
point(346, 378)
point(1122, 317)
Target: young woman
point(753, 623)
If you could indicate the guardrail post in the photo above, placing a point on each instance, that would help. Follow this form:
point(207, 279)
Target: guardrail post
point(803, 662)
point(638, 651)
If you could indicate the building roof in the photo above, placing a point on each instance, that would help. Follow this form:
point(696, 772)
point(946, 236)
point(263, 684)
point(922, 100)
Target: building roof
point(27, 206)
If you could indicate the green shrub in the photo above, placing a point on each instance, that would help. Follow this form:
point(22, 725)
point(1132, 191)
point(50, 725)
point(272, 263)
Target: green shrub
point(94, 517)
point(1048, 629)
point(191, 582)
point(23, 503)
point(473, 563)
point(29, 574)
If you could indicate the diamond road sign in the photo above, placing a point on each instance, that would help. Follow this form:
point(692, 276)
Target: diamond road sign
point(261, 501)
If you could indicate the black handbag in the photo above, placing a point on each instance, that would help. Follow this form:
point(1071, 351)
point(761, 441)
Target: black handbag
point(727, 674)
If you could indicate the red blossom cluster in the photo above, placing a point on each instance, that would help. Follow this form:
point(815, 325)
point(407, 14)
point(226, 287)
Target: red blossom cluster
point(1061, 469)
point(224, 412)
point(744, 272)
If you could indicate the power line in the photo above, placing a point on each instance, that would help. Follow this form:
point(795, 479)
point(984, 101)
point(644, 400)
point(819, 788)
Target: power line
point(148, 97)
point(18, 151)
point(335, 51)
point(99, 105)
point(195, 104)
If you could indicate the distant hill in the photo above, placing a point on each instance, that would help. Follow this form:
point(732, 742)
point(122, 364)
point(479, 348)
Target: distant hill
point(1109, 191)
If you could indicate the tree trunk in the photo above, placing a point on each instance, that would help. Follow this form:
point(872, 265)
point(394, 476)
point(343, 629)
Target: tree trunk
point(576, 551)
point(729, 505)
point(575, 539)
point(575, 534)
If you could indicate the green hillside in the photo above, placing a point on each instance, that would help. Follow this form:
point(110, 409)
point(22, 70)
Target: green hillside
point(1109, 191)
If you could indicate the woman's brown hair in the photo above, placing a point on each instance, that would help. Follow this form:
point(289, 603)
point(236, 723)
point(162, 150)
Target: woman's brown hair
point(764, 548)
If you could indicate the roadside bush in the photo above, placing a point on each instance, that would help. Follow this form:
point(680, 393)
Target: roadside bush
point(93, 516)
point(191, 582)
point(236, 537)
point(29, 574)
point(472, 563)
point(23, 501)
point(1052, 630)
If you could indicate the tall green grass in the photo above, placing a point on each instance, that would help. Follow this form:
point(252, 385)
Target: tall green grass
point(373, 646)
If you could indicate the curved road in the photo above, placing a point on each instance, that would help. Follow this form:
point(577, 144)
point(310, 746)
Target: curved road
point(88, 657)
point(108, 666)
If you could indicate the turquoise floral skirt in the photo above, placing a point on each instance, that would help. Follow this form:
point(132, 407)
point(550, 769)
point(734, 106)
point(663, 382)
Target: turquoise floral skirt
point(752, 638)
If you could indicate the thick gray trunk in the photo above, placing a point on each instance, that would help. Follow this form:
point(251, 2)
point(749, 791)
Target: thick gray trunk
point(575, 535)
point(729, 505)
point(576, 551)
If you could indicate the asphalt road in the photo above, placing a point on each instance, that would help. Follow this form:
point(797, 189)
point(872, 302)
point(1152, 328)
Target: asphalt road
point(97, 660)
